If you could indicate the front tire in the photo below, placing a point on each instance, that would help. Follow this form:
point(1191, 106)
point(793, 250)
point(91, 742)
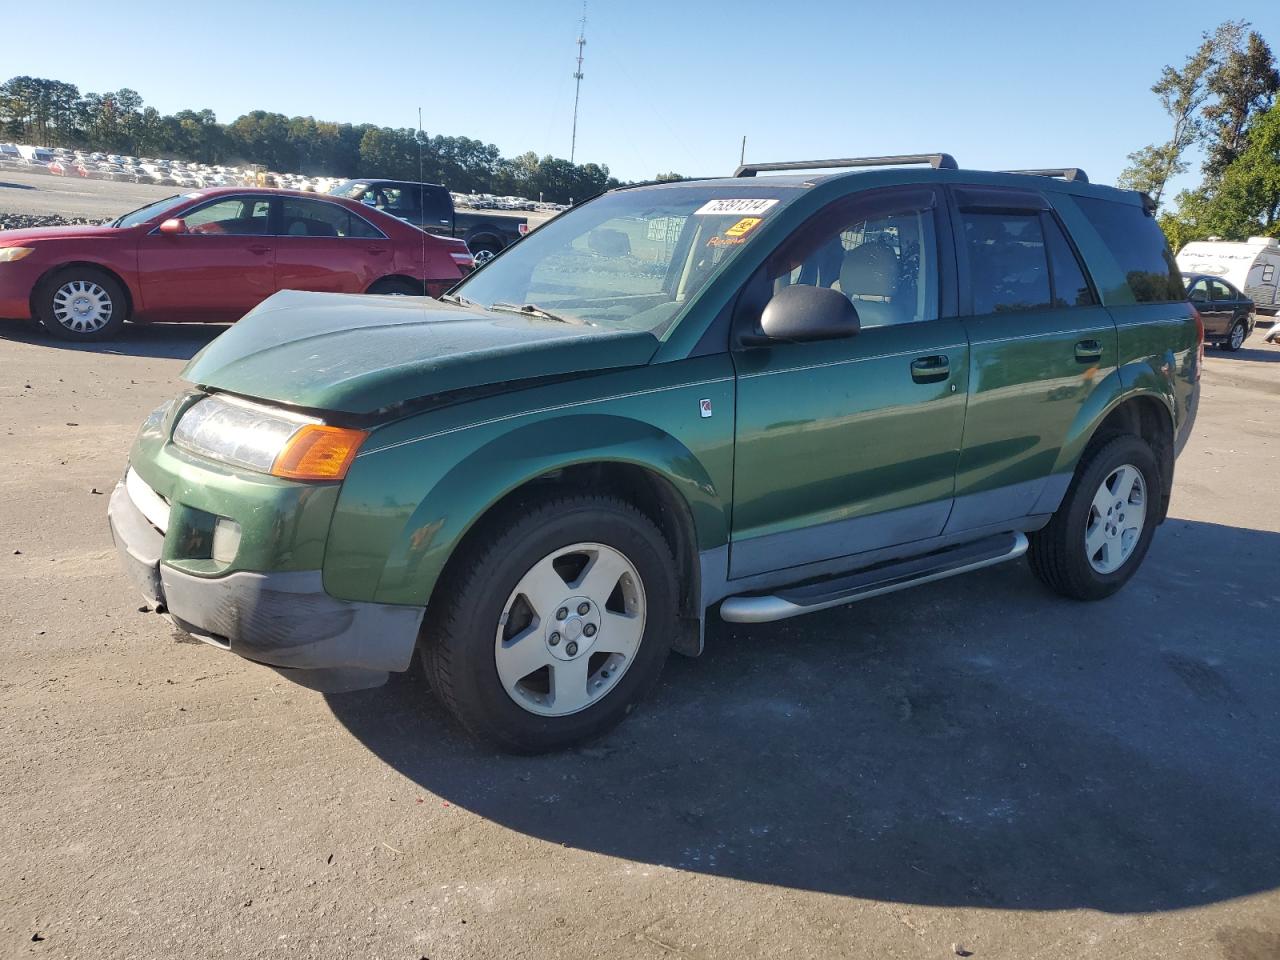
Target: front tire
point(1101, 532)
point(553, 623)
point(81, 304)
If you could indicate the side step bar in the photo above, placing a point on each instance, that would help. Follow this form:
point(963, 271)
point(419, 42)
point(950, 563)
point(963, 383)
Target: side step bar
point(874, 581)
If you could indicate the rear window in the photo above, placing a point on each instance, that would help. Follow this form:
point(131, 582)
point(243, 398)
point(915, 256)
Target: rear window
point(1139, 247)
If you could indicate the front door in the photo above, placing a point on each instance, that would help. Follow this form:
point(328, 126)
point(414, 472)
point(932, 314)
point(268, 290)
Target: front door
point(850, 445)
point(1040, 344)
point(220, 269)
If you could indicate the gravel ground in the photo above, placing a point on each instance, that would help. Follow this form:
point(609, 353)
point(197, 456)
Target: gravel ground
point(972, 767)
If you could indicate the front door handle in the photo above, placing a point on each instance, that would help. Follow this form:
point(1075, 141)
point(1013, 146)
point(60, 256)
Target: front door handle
point(259, 248)
point(1088, 351)
point(930, 369)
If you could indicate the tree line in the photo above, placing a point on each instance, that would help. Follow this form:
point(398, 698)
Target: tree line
point(55, 114)
point(1221, 99)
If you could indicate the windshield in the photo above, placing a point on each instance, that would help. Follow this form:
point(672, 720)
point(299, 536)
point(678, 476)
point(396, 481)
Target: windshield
point(151, 210)
point(349, 188)
point(632, 258)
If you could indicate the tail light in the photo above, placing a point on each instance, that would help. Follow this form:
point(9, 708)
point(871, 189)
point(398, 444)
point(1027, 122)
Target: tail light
point(523, 228)
point(464, 261)
point(1200, 346)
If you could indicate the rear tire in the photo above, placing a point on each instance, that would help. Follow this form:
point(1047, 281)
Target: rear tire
point(81, 304)
point(396, 287)
point(553, 623)
point(1077, 554)
point(484, 251)
point(1236, 336)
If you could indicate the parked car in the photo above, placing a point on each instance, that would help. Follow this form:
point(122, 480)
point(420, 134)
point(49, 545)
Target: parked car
point(213, 256)
point(1227, 313)
point(430, 206)
point(775, 395)
point(1252, 266)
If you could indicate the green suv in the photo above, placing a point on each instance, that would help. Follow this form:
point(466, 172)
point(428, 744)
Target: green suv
point(773, 394)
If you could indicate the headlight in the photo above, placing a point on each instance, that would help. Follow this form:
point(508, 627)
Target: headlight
point(12, 254)
point(266, 439)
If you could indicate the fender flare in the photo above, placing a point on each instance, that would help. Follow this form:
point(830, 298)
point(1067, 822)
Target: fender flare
point(449, 511)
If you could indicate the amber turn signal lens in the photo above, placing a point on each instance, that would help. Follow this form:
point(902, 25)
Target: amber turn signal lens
point(318, 452)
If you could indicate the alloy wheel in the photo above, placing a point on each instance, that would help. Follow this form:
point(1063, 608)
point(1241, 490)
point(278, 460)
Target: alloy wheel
point(570, 629)
point(1116, 518)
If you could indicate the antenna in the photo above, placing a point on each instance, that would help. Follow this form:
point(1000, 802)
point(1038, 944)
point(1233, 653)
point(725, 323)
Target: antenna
point(422, 205)
point(577, 76)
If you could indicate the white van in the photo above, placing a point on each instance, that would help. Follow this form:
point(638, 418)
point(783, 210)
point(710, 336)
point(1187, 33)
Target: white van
point(1252, 266)
point(36, 154)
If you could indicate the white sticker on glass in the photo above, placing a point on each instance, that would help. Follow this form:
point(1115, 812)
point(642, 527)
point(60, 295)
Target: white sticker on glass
point(739, 207)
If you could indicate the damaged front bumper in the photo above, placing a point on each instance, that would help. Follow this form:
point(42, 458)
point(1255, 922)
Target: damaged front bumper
point(283, 619)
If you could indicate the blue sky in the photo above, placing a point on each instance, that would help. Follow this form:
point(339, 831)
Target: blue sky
point(669, 85)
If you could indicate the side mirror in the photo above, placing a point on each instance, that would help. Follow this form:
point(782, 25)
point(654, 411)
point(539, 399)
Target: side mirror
point(801, 313)
point(173, 227)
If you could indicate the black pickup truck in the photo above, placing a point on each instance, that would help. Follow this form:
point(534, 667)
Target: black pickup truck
point(430, 206)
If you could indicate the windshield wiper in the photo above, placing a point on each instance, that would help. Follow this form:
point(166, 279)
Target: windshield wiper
point(529, 309)
point(458, 299)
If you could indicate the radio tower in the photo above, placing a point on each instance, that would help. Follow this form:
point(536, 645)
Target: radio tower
point(577, 87)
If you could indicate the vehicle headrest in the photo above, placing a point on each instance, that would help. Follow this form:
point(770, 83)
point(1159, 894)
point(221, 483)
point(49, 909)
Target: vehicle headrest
point(869, 270)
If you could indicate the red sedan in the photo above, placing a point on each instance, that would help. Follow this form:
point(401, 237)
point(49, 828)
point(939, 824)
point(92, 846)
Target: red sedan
point(212, 256)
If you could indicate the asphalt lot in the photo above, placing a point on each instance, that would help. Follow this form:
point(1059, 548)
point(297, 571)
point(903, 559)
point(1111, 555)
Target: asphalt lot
point(975, 766)
point(45, 195)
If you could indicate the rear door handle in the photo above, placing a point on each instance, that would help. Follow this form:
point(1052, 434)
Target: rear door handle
point(259, 248)
point(377, 251)
point(1088, 351)
point(930, 369)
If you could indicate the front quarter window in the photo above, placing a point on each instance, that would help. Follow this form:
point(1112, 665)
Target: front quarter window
point(633, 258)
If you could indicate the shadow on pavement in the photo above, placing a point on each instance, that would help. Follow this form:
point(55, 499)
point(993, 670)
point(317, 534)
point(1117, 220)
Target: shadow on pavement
point(976, 742)
point(176, 341)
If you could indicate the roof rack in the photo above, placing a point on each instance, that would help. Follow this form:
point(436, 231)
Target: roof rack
point(939, 161)
point(1070, 174)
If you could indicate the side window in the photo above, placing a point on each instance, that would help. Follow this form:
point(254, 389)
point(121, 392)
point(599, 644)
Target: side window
point(1268, 273)
point(880, 252)
point(1199, 291)
point(1138, 246)
point(1070, 288)
point(234, 216)
point(436, 204)
point(314, 218)
point(1008, 263)
point(1221, 291)
point(398, 200)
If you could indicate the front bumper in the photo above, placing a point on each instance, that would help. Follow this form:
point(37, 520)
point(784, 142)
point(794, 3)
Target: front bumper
point(16, 282)
point(283, 619)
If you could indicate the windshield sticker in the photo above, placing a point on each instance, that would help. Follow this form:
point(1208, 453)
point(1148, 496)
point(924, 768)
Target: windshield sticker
point(740, 207)
point(744, 226)
point(725, 241)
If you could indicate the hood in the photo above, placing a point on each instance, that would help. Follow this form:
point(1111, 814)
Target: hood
point(15, 237)
point(357, 353)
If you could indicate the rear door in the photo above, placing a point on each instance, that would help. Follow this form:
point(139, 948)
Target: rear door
point(220, 269)
point(1040, 343)
point(850, 445)
point(325, 247)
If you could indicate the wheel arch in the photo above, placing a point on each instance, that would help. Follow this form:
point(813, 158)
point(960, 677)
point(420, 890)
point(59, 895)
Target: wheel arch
point(486, 236)
point(1141, 412)
point(129, 294)
point(631, 458)
point(394, 278)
